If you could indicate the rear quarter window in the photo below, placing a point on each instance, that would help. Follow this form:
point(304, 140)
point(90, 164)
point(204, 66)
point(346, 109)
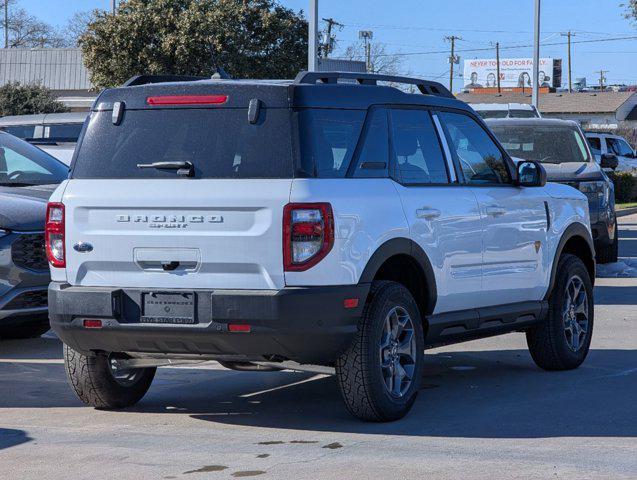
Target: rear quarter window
point(328, 138)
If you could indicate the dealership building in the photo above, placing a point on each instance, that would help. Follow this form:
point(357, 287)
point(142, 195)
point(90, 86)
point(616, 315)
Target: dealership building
point(60, 69)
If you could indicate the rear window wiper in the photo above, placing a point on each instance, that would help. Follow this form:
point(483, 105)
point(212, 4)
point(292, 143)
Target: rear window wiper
point(186, 169)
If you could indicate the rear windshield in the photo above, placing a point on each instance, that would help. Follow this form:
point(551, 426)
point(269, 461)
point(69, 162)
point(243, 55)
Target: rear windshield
point(548, 144)
point(220, 143)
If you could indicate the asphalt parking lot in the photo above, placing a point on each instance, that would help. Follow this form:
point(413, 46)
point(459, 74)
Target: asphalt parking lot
point(485, 411)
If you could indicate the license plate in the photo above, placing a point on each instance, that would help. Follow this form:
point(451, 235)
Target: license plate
point(168, 307)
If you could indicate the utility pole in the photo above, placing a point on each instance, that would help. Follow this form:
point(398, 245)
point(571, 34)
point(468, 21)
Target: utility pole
point(114, 6)
point(569, 34)
point(497, 59)
point(536, 56)
point(366, 36)
point(602, 79)
point(452, 58)
point(328, 41)
point(6, 23)
point(312, 43)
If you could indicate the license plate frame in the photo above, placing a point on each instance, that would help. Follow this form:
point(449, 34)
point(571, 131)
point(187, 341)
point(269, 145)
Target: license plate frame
point(168, 308)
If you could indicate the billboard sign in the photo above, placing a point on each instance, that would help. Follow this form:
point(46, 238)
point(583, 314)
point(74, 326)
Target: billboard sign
point(514, 72)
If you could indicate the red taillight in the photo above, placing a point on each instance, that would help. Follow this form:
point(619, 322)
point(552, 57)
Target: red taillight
point(187, 100)
point(308, 234)
point(239, 327)
point(92, 323)
point(350, 303)
point(54, 234)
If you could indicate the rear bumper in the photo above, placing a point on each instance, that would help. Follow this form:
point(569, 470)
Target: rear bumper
point(303, 324)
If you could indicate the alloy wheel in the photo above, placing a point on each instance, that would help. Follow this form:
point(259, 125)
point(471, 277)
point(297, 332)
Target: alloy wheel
point(397, 352)
point(575, 313)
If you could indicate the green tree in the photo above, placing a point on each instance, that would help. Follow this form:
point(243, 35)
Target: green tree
point(18, 99)
point(247, 38)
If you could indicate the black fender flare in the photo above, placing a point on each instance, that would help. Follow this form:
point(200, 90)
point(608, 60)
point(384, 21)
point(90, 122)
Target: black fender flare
point(573, 230)
point(403, 246)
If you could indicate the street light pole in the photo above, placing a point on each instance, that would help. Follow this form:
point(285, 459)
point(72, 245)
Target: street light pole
point(312, 40)
point(536, 56)
point(6, 23)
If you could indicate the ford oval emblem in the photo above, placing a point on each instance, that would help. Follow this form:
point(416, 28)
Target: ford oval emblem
point(83, 247)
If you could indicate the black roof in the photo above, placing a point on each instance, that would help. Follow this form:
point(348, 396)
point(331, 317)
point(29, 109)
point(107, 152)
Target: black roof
point(345, 90)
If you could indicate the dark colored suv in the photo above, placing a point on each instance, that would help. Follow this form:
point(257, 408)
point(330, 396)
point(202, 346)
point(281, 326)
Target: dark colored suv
point(563, 150)
point(28, 176)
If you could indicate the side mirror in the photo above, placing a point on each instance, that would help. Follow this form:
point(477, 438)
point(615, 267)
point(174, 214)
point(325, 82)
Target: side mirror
point(608, 160)
point(531, 174)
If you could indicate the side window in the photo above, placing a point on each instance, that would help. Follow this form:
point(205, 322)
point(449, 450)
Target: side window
point(613, 146)
point(328, 140)
point(373, 157)
point(479, 157)
point(595, 144)
point(416, 148)
point(619, 147)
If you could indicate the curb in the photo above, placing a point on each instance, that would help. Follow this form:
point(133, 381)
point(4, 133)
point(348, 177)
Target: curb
point(625, 212)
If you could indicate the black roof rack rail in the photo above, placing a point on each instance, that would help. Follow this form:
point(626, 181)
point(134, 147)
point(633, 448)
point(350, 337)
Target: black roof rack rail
point(146, 79)
point(426, 87)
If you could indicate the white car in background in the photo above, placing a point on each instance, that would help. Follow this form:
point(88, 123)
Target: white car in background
point(604, 143)
point(55, 133)
point(505, 110)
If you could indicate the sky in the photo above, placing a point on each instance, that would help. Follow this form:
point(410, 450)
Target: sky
point(416, 28)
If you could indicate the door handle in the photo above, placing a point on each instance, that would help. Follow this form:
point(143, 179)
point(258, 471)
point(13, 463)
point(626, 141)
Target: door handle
point(428, 213)
point(495, 211)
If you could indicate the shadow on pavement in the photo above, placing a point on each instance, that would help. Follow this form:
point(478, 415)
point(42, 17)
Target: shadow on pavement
point(490, 394)
point(10, 438)
point(475, 394)
point(616, 295)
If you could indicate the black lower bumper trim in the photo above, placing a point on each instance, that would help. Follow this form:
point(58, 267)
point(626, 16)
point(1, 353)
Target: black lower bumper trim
point(303, 324)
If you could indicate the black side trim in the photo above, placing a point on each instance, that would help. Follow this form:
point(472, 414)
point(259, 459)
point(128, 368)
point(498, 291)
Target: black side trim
point(454, 327)
point(548, 216)
point(403, 246)
point(573, 230)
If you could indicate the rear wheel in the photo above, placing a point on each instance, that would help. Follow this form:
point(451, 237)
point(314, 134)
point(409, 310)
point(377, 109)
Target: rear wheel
point(100, 380)
point(562, 340)
point(609, 253)
point(380, 374)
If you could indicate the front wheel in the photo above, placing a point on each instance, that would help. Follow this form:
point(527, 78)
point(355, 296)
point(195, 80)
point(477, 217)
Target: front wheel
point(100, 382)
point(380, 374)
point(562, 340)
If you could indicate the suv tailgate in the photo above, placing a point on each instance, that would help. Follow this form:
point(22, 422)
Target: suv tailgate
point(176, 233)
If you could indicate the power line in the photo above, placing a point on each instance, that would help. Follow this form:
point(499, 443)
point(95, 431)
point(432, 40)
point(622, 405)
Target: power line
point(513, 47)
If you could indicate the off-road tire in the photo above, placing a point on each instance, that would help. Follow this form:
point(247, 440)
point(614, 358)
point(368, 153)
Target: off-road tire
point(547, 341)
point(91, 380)
point(609, 253)
point(358, 370)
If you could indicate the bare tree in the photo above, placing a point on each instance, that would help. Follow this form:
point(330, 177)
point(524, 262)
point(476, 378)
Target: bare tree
point(77, 26)
point(380, 60)
point(27, 31)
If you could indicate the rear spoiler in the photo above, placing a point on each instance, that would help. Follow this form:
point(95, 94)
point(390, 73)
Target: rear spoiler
point(146, 79)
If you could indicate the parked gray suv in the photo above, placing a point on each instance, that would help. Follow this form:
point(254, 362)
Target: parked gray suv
point(563, 150)
point(28, 176)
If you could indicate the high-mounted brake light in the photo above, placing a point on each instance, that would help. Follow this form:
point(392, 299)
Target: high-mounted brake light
point(54, 234)
point(308, 234)
point(187, 100)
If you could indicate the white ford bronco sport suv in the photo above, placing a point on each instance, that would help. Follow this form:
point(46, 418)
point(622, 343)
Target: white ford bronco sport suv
point(317, 221)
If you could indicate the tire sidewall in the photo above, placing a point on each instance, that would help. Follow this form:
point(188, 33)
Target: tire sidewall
point(574, 267)
point(391, 296)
